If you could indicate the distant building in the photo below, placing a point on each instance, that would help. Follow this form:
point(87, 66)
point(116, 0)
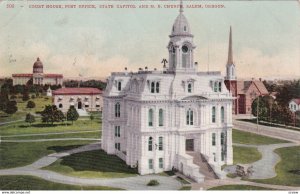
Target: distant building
point(49, 92)
point(83, 99)
point(243, 91)
point(37, 76)
point(294, 104)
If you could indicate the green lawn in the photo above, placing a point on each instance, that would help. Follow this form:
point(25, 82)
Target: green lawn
point(92, 164)
point(244, 155)
point(185, 188)
point(243, 137)
point(239, 187)
point(94, 135)
point(38, 127)
point(21, 154)
point(288, 169)
point(40, 103)
point(35, 183)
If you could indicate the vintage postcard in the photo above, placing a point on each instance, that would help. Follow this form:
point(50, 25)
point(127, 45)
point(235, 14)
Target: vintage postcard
point(149, 95)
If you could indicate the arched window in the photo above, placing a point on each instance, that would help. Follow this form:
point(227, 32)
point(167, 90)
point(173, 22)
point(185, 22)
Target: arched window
point(117, 109)
point(150, 144)
point(222, 114)
point(161, 117)
point(119, 86)
point(173, 56)
point(213, 139)
point(189, 117)
point(222, 138)
point(150, 118)
point(220, 86)
point(60, 106)
point(189, 88)
point(213, 114)
point(160, 143)
point(157, 87)
point(152, 87)
point(215, 86)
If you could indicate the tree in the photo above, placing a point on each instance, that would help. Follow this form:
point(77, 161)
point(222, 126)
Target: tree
point(25, 96)
point(262, 109)
point(72, 114)
point(30, 104)
point(51, 114)
point(29, 118)
point(11, 107)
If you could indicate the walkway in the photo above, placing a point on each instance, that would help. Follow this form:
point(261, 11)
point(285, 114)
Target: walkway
point(129, 183)
point(265, 167)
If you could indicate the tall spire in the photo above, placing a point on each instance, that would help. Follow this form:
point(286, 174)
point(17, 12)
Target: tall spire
point(181, 6)
point(230, 55)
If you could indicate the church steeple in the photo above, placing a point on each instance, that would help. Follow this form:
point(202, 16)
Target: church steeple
point(230, 67)
point(230, 57)
point(181, 45)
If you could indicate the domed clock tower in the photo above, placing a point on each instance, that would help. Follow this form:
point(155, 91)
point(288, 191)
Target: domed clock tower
point(181, 46)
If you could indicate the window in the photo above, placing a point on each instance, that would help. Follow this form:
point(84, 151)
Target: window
point(119, 86)
point(161, 117)
point(150, 143)
point(160, 143)
point(157, 87)
point(60, 106)
point(152, 87)
point(184, 28)
point(161, 162)
point(118, 146)
point(222, 114)
point(189, 117)
point(213, 136)
point(189, 88)
point(220, 86)
point(117, 109)
point(86, 106)
point(222, 155)
point(150, 118)
point(150, 162)
point(214, 157)
point(222, 138)
point(215, 86)
point(117, 131)
point(213, 115)
point(97, 105)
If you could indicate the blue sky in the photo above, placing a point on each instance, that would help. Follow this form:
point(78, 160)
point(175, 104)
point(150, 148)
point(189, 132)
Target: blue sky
point(95, 42)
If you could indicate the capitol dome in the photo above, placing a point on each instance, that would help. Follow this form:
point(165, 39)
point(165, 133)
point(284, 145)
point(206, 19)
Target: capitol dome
point(38, 66)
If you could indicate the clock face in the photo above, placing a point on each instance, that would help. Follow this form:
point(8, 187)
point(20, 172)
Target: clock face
point(185, 49)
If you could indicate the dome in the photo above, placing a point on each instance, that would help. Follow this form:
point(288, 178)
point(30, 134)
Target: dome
point(38, 66)
point(181, 26)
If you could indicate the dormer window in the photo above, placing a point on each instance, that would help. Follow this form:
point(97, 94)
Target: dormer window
point(119, 86)
point(190, 88)
point(217, 86)
point(154, 87)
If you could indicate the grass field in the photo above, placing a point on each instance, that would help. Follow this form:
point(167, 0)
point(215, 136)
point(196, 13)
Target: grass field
point(92, 164)
point(243, 137)
point(244, 155)
point(38, 127)
point(239, 187)
point(21, 154)
point(288, 169)
point(35, 183)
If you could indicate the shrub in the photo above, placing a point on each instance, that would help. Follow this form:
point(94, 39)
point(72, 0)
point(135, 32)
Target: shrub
point(153, 182)
point(29, 118)
point(30, 104)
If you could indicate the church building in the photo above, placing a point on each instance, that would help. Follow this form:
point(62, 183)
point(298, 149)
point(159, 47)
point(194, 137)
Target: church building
point(177, 118)
point(37, 76)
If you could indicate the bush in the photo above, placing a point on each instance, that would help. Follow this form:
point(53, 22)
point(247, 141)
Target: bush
point(32, 96)
point(11, 107)
point(153, 182)
point(29, 118)
point(30, 104)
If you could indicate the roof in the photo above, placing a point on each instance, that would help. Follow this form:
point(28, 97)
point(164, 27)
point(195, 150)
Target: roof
point(53, 75)
point(181, 25)
point(296, 100)
point(243, 86)
point(77, 91)
point(38, 63)
point(22, 75)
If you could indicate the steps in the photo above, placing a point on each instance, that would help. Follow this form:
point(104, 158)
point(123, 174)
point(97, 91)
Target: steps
point(205, 168)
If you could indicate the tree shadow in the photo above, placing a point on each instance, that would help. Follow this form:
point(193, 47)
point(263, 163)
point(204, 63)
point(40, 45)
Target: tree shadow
point(44, 125)
point(98, 161)
point(64, 148)
point(296, 172)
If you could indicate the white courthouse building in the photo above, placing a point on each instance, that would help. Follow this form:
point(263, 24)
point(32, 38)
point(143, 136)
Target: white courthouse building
point(161, 120)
